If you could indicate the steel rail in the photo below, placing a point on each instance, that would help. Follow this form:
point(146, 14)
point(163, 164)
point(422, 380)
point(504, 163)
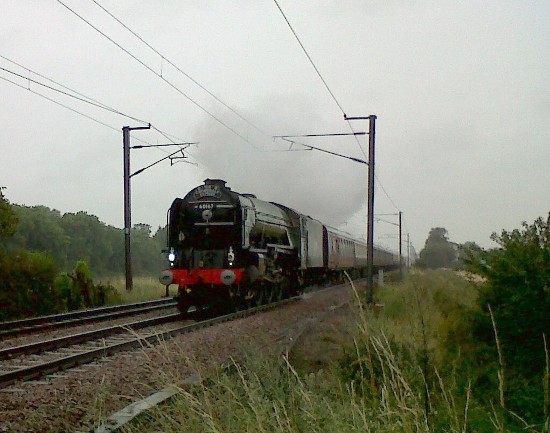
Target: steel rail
point(49, 367)
point(57, 343)
point(37, 324)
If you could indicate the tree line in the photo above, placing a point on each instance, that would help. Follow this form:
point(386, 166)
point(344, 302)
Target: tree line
point(47, 259)
point(440, 252)
point(71, 237)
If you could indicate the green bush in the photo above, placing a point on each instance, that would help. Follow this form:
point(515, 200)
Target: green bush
point(27, 285)
point(78, 291)
point(514, 304)
point(30, 286)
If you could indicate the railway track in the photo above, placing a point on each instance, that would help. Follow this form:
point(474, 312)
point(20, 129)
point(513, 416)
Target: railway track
point(31, 361)
point(45, 323)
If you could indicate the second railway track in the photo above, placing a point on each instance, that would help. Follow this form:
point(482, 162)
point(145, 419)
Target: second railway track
point(16, 328)
point(38, 359)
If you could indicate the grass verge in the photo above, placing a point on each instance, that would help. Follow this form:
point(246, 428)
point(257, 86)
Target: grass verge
point(399, 372)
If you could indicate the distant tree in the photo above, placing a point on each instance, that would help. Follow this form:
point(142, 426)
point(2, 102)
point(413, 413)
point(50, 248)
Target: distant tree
point(466, 251)
point(160, 237)
point(89, 241)
point(71, 237)
point(145, 251)
point(39, 230)
point(438, 252)
point(143, 227)
point(8, 217)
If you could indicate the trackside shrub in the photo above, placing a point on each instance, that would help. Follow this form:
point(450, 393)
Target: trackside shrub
point(30, 286)
point(517, 293)
point(78, 290)
point(27, 285)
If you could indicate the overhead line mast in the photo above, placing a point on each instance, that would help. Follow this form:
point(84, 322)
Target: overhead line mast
point(370, 206)
point(127, 191)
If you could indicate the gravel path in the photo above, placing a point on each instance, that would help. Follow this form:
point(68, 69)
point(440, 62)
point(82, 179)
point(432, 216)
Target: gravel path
point(77, 399)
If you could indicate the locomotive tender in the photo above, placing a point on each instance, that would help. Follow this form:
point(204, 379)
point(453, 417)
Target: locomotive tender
point(227, 249)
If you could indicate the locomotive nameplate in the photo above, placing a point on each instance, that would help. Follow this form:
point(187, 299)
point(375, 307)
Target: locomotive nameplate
point(208, 191)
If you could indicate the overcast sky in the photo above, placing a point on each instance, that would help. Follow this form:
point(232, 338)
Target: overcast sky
point(461, 90)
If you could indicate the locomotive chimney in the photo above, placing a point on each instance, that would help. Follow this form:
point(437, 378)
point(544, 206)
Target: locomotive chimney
point(218, 182)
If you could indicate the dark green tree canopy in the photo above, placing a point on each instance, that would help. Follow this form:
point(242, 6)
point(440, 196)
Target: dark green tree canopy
point(8, 217)
point(71, 237)
point(438, 252)
point(518, 291)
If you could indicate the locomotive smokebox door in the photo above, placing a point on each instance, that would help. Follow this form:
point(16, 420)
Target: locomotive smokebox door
point(228, 277)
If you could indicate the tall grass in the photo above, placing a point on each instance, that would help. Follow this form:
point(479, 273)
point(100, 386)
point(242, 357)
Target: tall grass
point(396, 377)
point(144, 289)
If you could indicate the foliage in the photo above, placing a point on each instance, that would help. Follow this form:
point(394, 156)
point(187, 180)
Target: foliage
point(79, 236)
point(28, 282)
point(8, 218)
point(78, 290)
point(517, 294)
point(427, 329)
point(27, 285)
point(438, 252)
point(30, 286)
point(144, 289)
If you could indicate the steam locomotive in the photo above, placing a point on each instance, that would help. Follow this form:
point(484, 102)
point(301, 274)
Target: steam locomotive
point(227, 250)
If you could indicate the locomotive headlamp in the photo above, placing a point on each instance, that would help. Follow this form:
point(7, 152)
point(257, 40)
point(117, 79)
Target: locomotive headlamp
point(230, 256)
point(172, 256)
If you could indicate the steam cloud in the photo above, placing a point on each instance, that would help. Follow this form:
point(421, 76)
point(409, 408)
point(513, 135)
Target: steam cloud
point(326, 187)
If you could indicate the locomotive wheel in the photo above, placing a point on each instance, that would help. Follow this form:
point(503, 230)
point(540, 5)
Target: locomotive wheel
point(220, 305)
point(261, 297)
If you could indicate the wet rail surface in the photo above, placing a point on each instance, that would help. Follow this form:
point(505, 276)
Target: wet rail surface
point(35, 360)
point(45, 323)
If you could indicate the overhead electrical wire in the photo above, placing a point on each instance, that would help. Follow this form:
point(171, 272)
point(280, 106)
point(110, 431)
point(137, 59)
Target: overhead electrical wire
point(310, 147)
point(331, 94)
point(61, 104)
point(145, 65)
point(51, 81)
point(78, 96)
point(309, 57)
point(386, 193)
point(164, 58)
point(319, 74)
point(86, 100)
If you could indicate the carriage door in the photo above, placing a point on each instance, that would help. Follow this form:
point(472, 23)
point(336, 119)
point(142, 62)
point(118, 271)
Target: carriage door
point(303, 243)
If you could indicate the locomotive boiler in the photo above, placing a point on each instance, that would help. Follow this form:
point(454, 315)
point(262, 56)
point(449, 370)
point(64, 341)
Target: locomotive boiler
point(227, 250)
